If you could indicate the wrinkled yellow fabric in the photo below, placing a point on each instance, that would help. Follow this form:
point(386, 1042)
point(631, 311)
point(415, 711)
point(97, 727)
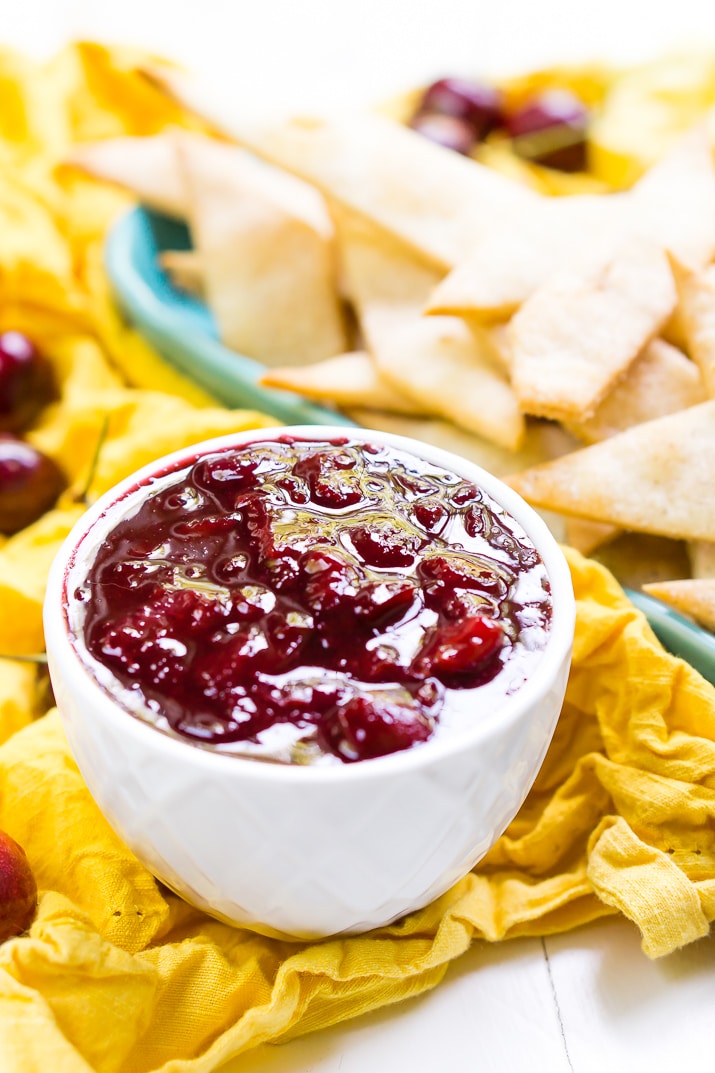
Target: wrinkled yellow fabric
point(119, 976)
point(53, 224)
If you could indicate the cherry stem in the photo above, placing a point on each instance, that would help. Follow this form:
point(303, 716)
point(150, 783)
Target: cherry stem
point(82, 497)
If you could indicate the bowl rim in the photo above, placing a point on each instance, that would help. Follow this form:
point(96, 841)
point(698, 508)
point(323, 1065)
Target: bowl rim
point(507, 712)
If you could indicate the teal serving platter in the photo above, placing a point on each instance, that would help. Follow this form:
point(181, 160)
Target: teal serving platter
point(678, 634)
point(182, 329)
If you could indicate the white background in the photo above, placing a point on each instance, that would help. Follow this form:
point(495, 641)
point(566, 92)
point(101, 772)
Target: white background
point(595, 1003)
point(348, 51)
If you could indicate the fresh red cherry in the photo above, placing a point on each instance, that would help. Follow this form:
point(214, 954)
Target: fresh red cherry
point(30, 482)
point(26, 381)
point(476, 103)
point(552, 130)
point(18, 889)
point(445, 130)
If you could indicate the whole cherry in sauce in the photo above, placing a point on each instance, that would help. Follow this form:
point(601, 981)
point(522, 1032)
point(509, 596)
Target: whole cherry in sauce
point(30, 482)
point(551, 129)
point(333, 591)
point(26, 381)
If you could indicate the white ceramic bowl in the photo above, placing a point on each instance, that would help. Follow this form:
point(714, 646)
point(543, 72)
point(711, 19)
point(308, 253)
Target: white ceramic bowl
point(307, 851)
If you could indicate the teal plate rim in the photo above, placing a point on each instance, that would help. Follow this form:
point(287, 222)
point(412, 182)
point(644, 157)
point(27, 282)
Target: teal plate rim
point(678, 634)
point(182, 329)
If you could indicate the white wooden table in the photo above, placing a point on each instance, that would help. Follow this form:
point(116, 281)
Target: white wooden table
point(588, 1002)
point(585, 1002)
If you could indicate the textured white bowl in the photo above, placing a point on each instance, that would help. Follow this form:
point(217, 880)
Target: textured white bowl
point(307, 851)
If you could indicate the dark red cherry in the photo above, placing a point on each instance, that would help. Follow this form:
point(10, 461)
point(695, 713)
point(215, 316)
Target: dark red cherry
point(552, 130)
point(142, 645)
point(445, 130)
point(385, 545)
point(460, 650)
point(30, 482)
point(18, 889)
point(479, 105)
point(331, 478)
point(369, 726)
point(26, 381)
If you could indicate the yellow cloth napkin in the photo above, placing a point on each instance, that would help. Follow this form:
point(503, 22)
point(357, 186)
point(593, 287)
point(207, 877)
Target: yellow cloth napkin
point(117, 974)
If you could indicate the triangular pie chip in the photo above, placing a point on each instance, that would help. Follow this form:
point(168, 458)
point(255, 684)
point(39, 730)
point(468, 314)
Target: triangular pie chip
point(696, 306)
point(673, 205)
point(637, 559)
point(654, 478)
point(539, 443)
point(587, 536)
point(505, 266)
point(185, 269)
point(146, 167)
point(348, 379)
point(266, 243)
point(702, 558)
point(660, 381)
point(691, 596)
point(444, 366)
point(433, 199)
point(576, 335)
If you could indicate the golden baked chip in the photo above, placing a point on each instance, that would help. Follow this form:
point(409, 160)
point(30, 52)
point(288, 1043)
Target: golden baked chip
point(507, 264)
point(146, 167)
point(691, 596)
point(266, 244)
point(660, 381)
point(696, 304)
point(444, 366)
point(637, 559)
point(577, 335)
point(348, 379)
point(702, 558)
point(436, 201)
point(674, 203)
point(653, 478)
point(673, 206)
point(587, 536)
point(541, 440)
point(185, 269)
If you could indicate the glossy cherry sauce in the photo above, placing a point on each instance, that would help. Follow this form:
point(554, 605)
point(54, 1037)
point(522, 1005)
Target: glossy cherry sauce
point(315, 599)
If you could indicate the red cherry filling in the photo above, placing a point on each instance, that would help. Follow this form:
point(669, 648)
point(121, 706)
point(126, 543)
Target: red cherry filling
point(331, 478)
point(141, 645)
point(384, 545)
point(312, 585)
point(367, 726)
point(463, 648)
